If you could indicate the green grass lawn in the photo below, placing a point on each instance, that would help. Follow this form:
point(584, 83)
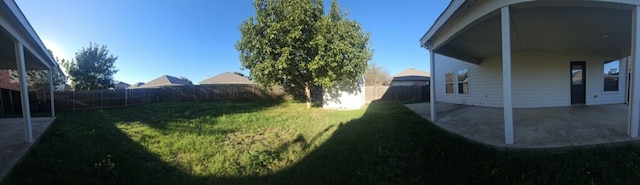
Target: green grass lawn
point(285, 143)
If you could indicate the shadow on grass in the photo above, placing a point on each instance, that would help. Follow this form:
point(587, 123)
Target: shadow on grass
point(389, 144)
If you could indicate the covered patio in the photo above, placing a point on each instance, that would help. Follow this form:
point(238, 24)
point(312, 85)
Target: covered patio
point(536, 128)
point(515, 56)
point(12, 144)
point(21, 49)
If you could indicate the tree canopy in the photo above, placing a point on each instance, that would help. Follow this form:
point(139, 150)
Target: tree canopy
point(92, 68)
point(292, 43)
point(376, 75)
point(186, 80)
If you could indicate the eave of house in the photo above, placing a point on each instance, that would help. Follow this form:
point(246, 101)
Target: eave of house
point(469, 30)
point(16, 27)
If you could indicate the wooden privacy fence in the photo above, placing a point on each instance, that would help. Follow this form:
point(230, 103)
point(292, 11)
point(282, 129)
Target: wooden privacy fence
point(397, 93)
point(96, 99)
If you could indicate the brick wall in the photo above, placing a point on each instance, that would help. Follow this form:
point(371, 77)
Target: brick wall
point(5, 81)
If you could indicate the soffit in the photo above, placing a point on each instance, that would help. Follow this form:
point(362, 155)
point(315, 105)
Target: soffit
point(547, 26)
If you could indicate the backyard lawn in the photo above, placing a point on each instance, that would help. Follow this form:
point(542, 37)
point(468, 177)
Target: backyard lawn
point(285, 143)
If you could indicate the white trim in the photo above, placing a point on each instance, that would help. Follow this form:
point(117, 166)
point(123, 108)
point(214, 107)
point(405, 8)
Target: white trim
point(619, 77)
point(453, 83)
point(432, 85)
point(506, 75)
point(443, 18)
point(22, 76)
point(51, 98)
point(457, 81)
point(448, 25)
point(38, 50)
point(634, 104)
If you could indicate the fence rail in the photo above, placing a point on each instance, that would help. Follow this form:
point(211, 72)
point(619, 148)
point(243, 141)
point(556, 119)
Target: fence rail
point(96, 99)
point(397, 93)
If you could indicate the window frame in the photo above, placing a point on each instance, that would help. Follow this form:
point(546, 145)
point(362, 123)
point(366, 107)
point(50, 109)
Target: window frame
point(461, 84)
point(604, 77)
point(448, 83)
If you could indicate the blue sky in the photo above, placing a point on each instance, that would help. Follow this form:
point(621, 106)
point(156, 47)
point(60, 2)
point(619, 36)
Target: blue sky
point(195, 38)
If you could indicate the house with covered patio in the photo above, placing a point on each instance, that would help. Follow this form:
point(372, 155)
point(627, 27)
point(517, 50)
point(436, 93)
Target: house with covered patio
point(21, 49)
point(536, 54)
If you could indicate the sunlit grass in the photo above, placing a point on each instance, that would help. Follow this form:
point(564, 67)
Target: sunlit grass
point(235, 143)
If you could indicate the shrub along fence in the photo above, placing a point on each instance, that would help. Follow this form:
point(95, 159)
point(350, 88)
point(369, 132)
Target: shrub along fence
point(97, 99)
point(397, 93)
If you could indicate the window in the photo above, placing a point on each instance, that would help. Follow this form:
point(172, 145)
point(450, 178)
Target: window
point(611, 75)
point(448, 82)
point(463, 81)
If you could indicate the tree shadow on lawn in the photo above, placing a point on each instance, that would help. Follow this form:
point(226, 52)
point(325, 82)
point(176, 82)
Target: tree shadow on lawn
point(389, 144)
point(172, 112)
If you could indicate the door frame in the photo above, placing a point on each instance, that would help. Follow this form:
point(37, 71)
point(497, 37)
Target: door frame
point(584, 82)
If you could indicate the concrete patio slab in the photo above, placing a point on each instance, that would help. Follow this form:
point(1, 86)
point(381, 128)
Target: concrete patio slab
point(13, 145)
point(534, 127)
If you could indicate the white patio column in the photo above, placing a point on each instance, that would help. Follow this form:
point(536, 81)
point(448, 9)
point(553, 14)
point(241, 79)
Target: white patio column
point(634, 102)
point(432, 86)
point(506, 75)
point(51, 98)
point(22, 77)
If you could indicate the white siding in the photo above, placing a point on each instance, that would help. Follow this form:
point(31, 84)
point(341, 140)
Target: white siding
point(485, 82)
point(539, 80)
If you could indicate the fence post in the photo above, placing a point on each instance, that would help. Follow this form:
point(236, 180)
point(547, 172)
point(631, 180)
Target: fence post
point(11, 101)
point(144, 96)
point(74, 100)
point(126, 102)
point(101, 98)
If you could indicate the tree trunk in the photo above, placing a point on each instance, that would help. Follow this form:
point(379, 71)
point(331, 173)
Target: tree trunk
point(307, 93)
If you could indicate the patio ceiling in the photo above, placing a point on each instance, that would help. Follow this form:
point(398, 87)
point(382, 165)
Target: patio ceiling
point(8, 56)
point(592, 27)
point(15, 27)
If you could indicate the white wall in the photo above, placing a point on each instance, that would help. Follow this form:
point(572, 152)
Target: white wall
point(345, 96)
point(539, 80)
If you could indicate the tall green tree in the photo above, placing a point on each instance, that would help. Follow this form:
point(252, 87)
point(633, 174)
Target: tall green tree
point(92, 68)
point(292, 43)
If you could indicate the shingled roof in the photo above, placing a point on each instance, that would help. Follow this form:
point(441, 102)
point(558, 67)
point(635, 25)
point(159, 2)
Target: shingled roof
point(135, 85)
point(226, 78)
point(164, 80)
point(412, 72)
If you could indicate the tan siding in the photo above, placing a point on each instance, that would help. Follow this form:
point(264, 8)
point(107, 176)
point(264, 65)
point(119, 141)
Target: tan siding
point(540, 80)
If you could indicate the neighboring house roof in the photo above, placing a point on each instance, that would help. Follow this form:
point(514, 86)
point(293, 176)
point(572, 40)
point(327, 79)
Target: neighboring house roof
point(164, 80)
point(122, 84)
point(135, 85)
point(226, 78)
point(412, 72)
point(410, 77)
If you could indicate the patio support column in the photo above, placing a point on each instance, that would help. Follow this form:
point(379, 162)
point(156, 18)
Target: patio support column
point(22, 77)
point(432, 85)
point(634, 102)
point(53, 108)
point(506, 75)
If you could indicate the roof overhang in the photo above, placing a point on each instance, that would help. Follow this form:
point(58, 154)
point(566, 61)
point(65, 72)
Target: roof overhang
point(469, 30)
point(15, 27)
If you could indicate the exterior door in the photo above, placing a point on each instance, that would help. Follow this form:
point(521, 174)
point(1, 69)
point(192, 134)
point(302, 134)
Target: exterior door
point(578, 85)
